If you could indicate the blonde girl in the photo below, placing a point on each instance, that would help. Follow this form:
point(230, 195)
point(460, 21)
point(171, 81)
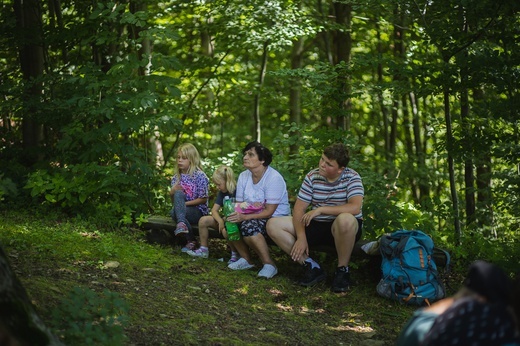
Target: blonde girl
point(189, 193)
point(225, 181)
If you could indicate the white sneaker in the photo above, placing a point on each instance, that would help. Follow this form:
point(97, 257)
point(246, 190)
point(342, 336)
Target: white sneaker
point(241, 264)
point(268, 271)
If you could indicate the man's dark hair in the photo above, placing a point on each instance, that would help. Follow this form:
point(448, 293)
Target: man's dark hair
point(338, 152)
point(263, 153)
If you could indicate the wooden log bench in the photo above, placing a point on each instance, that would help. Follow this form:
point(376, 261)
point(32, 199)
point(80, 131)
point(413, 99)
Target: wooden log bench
point(160, 230)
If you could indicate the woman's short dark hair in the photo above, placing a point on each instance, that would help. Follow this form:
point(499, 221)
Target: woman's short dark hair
point(338, 152)
point(263, 153)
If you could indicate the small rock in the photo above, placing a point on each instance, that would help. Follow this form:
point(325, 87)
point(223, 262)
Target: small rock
point(112, 264)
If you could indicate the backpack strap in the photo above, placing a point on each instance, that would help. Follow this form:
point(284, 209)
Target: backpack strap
point(445, 276)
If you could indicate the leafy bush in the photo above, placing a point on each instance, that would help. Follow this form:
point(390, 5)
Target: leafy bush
point(106, 192)
point(7, 187)
point(85, 318)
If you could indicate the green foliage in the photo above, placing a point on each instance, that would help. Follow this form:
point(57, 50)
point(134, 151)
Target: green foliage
point(86, 318)
point(474, 245)
point(122, 80)
point(383, 211)
point(7, 187)
point(108, 192)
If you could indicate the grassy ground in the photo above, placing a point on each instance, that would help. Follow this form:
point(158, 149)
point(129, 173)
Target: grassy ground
point(176, 300)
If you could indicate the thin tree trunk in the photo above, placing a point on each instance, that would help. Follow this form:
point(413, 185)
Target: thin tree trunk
point(55, 13)
point(451, 168)
point(409, 147)
point(325, 36)
point(384, 110)
point(469, 179)
point(295, 94)
point(484, 170)
point(261, 77)
point(420, 150)
point(485, 197)
point(398, 56)
point(343, 45)
point(150, 141)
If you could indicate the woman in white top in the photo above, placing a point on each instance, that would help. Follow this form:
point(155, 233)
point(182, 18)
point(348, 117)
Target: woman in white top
point(261, 194)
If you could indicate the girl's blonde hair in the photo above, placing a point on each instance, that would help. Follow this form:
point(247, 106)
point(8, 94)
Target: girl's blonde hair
point(189, 151)
point(226, 174)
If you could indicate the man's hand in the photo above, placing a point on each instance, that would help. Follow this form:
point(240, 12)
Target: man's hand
point(299, 248)
point(308, 216)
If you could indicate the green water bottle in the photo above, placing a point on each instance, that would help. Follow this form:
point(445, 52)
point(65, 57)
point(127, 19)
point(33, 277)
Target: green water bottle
point(231, 227)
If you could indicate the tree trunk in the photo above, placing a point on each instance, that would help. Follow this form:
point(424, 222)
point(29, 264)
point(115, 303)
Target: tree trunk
point(398, 56)
point(407, 129)
point(420, 150)
point(451, 168)
point(484, 170)
point(256, 107)
point(29, 23)
point(384, 110)
point(485, 197)
point(19, 322)
point(324, 35)
point(343, 46)
point(469, 179)
point(295, 94)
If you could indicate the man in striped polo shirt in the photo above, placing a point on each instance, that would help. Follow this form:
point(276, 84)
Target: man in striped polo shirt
point(334, 194)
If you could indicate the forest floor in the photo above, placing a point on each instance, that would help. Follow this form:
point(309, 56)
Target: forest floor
point(174, 299)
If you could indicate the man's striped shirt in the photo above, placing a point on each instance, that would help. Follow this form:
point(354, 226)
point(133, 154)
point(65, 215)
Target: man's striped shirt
point(318, 192)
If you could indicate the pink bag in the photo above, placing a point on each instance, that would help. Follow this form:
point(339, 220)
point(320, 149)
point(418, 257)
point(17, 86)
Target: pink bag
point(249, 208)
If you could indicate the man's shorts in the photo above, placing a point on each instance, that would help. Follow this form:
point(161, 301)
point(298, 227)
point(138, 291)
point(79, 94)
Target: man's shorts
point(320, 232)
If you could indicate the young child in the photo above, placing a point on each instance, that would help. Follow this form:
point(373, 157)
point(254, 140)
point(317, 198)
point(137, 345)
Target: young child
point(189, 193)
point(224, 179)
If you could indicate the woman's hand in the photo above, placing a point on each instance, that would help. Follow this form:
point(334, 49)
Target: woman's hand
point(235, 217)
point(308, 216)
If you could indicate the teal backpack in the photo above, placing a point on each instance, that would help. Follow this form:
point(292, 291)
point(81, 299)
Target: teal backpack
point(409, 272)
